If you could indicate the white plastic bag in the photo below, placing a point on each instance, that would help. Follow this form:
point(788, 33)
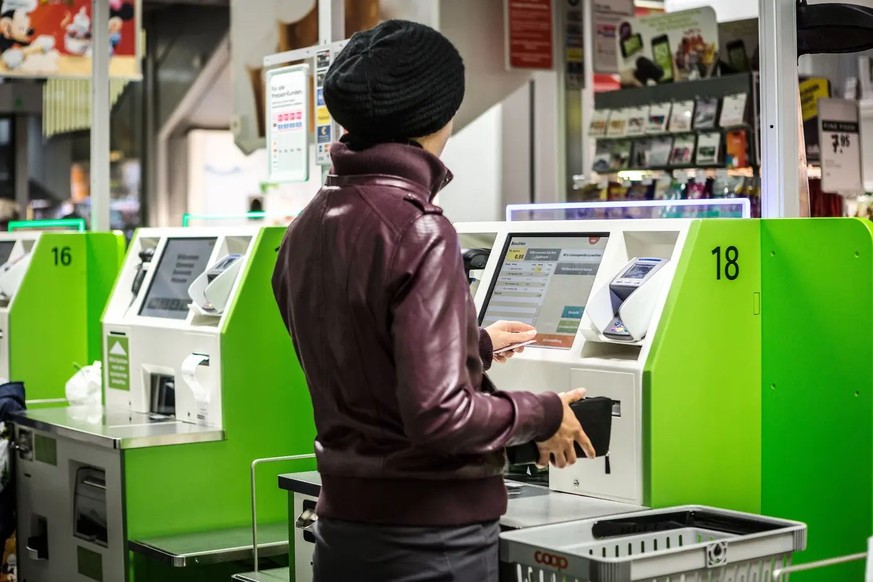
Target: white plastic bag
point(84, 388)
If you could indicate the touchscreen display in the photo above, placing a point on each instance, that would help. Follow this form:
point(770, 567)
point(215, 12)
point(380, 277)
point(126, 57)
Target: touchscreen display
point(545, 281)
point(6, 251)
point(183, 260)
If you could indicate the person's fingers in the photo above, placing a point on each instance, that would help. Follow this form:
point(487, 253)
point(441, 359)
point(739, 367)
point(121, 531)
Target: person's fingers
point(517, 327)
point(585, 443)
point(519, 350)
point(574, 395)
point(570, 454)
point(543, 461)
point(559, 459)
point(499, 358)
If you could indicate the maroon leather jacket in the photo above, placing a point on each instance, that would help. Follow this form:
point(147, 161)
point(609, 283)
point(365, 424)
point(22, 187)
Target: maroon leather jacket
point(370, 283)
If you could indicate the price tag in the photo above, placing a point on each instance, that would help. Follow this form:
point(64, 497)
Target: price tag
point(516, 254)
point(840, 139)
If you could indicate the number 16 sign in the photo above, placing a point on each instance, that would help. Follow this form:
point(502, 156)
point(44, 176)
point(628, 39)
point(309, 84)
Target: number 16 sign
point(839, 129)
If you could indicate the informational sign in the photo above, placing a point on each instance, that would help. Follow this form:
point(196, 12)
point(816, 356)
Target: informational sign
point(607, 15)
point(811, 90)
point(325, 128)
point(53, 38)
point(840, 138)
point(530, 34)
point(668, 47)
point(287, 123)
point(118, 362)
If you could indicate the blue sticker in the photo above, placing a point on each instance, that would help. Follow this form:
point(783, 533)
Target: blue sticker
point(323, 134)
point(320, 96)
point(572, 312)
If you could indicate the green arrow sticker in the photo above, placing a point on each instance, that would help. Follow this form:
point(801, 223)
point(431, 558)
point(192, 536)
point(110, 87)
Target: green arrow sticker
point(118, 362)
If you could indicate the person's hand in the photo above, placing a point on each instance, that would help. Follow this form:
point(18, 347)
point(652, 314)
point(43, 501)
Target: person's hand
point(506, 333)
point(559, 447)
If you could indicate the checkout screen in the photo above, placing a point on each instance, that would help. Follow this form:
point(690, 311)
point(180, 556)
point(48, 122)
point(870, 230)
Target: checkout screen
point(6, 251)
point(183, 260)
point(545, 281)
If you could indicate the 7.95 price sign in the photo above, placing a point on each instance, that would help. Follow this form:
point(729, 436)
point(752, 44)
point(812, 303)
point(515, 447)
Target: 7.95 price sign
point(840, 133)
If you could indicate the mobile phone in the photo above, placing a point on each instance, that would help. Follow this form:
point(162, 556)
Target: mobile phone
point(663, 57)
point(631, 45)
point(738, 58)
point(511, 347)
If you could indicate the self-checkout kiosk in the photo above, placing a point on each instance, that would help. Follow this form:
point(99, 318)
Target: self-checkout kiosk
point(200, 379)
point(53, 289)
point(633, 311)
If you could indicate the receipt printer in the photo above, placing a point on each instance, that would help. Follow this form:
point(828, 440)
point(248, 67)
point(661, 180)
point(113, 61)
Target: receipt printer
point(622, 310)
point(210, 292)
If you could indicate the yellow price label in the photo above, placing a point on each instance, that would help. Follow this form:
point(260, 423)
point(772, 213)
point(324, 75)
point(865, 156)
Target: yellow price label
point(322, 115)
point(516, 254)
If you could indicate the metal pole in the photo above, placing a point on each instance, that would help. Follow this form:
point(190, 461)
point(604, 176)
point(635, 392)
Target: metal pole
point(331, 21)
point(100, 110)
point(780, 100)
point(779, 572)
point(331, 28)
point(588, 89)
point(22, 168)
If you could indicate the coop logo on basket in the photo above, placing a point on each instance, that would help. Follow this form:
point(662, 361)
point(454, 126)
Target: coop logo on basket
point(547, 559)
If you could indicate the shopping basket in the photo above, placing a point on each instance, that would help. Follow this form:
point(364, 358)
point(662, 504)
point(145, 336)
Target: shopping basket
point(676, 544)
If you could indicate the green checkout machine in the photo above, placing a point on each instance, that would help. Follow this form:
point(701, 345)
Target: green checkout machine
point(738, 355)
point(53, 289)
point(200, 379)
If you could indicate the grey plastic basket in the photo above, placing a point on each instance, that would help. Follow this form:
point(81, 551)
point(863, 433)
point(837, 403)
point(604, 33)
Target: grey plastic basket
point(677, 544)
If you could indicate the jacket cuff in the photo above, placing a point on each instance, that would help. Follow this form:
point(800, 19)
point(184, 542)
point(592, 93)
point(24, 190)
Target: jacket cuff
point(553, 415)
point(486, 348)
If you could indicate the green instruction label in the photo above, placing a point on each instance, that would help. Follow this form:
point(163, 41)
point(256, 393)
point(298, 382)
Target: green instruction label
point(118, 362)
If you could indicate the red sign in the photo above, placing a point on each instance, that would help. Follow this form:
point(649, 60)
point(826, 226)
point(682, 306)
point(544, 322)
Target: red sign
point(530, 34)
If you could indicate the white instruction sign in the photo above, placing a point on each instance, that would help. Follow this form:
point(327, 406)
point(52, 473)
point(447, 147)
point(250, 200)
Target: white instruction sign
point(840, 139)
point(288, 124)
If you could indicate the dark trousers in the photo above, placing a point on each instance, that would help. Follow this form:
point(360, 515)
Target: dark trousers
point(346, 552)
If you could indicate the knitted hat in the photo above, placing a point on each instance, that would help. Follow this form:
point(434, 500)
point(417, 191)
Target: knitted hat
point(399, 80)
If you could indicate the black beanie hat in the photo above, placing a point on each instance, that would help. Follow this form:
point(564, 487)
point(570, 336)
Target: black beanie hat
point(399, 80)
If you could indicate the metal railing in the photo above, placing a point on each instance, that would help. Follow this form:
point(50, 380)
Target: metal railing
point(255, 465)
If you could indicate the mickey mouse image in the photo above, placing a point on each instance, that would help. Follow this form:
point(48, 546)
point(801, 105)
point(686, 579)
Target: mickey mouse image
point(16, 35)
point(119, 13)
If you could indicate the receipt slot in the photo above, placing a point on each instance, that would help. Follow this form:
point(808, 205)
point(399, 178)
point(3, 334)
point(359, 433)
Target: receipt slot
point(623, 309)
point(200, 379)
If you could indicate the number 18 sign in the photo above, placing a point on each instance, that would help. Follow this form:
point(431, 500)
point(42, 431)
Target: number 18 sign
point(839, 130)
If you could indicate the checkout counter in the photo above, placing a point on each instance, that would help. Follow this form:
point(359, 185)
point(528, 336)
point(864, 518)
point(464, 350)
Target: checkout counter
point(199, 381)
point(633, 311)
point(53, 289)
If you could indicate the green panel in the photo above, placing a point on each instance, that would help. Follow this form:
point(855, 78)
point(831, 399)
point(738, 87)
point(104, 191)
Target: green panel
point(48, 317)
point(701, 385)
point(105, 257)
point(54, 319)
point(267, 413)
point(89, 564)
point(817, 384)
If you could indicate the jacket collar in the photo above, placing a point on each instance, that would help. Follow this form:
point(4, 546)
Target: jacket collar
point(410, 162)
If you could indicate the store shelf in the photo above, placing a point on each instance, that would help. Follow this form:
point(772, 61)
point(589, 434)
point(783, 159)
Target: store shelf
point(681, 91)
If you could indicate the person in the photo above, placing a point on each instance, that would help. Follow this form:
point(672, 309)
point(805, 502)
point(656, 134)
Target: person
point(370, 283)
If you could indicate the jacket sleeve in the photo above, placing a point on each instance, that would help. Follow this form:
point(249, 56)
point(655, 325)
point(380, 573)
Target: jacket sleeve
point(435, 338)
point(486, 349)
